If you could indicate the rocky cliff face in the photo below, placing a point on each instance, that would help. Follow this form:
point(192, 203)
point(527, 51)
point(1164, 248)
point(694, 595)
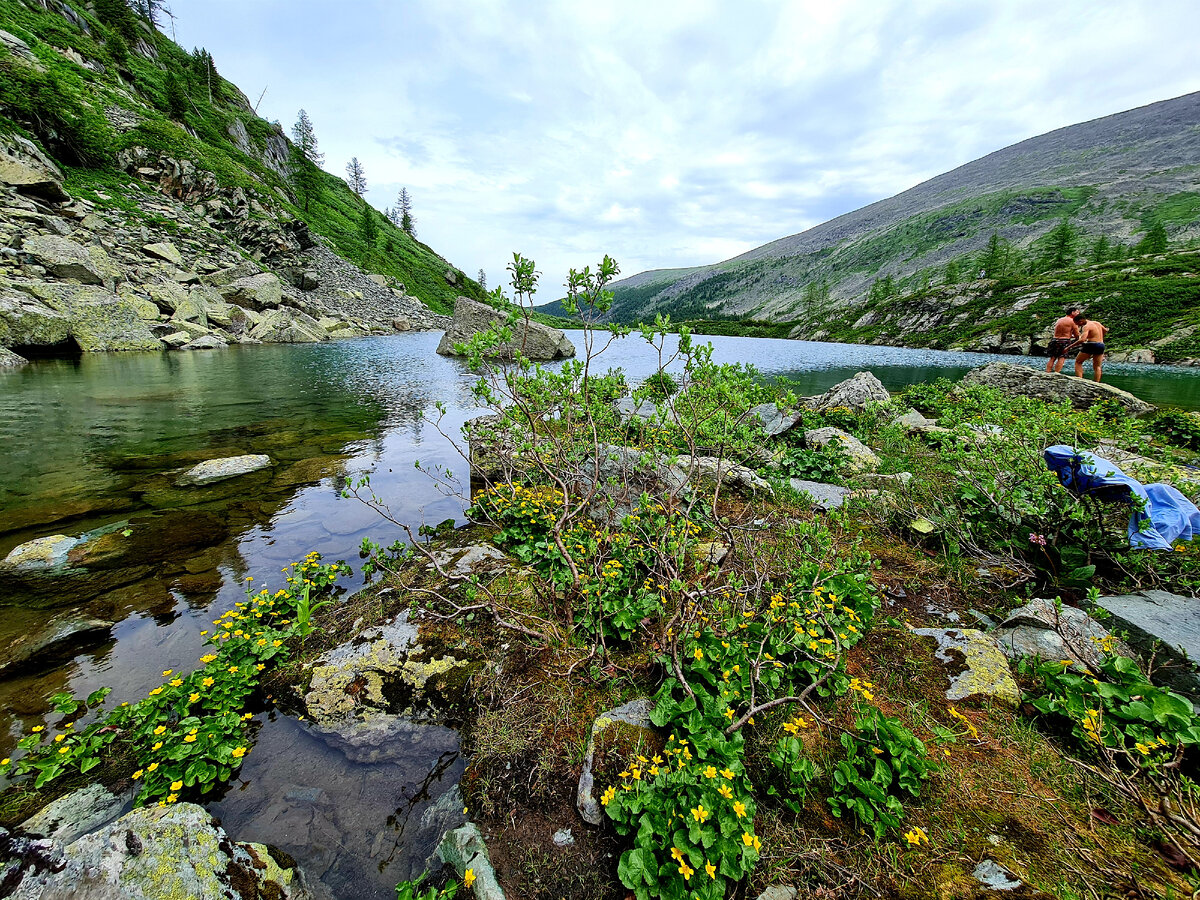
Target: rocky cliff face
point(190, 266)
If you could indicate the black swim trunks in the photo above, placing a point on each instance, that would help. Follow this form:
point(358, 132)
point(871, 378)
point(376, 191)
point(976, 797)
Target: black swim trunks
point(1058, 347)
point(1092, 348)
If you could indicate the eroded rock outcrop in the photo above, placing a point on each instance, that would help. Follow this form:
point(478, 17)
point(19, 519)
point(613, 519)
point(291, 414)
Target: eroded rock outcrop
point(532, 340)
point(1053, 387)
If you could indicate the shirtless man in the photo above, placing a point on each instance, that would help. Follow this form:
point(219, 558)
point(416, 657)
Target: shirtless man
point(1091, 346)
point(1066, 332)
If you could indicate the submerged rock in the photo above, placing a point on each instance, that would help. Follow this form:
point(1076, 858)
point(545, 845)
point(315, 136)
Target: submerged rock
point(157, 852)
point(43, 649)
point(533, 341)
point(214, 470)
point(985, 673)
point(1054, 387)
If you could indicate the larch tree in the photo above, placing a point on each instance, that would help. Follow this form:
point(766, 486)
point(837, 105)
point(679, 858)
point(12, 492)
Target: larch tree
point(305, 159)
point(356, 176)
point(404, 206)
point(305, 139)
point(482, 280)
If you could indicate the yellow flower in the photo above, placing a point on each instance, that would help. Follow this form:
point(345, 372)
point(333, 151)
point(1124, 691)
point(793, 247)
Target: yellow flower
point(138, 774)
point(156, 692)
point(699, 654)
point(686, 871)
point(710, 869)
point(207, 682)
point(468, 878)
point(157, 745)
point(189, 739)
point(65, 750)
point(747, 839)
point(176, 682)
point(727, 773)
point(59, 737)
point(161, 729)
point(192, 698)
point(724, 791)
point(233, 670)
point(710, 772)
point(171, 798)
point(239, 752)
point(176, 785)
point(5, 761)
point(208, 657)
point(916, 836)
point(607, 796)
point(739, 809)
point(152, 767)
point(37, 728)
point(167, 673)
point(676, 854)
point(700, 813)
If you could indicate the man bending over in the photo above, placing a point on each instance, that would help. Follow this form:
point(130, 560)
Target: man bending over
point(1066, 332)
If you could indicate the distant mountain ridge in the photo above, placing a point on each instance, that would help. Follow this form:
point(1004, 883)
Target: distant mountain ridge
point(1109, 176)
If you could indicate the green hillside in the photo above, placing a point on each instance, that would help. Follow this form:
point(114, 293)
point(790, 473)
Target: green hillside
point(102, 80)
point(1121, 186)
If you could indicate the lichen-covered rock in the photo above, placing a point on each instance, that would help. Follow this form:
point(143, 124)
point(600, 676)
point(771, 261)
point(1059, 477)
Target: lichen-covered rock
point(860, 457)
point(985, 670)
point(78, 813)
point(98, 319)
point(1041, 629)
point(205, 342)
point(213, 470)
point(1054, 387)
point(10, 360)
point(22, 165)
point(257, 292)
point(379, 670)
point(155, 853)
point(165, 251)
point(855, 393)
point(535, 341)
point(636, 715)
point(26, 321)
point(288, 326)
point(462, 849)
point(62, 257)
point(40, 554)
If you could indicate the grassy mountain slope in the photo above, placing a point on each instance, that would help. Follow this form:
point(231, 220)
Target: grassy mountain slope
point(102, 80)
point(1110, 177)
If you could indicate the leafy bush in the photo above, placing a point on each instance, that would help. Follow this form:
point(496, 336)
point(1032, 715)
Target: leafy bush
point(820, 464)
point(1177, 427)
point(660, 386)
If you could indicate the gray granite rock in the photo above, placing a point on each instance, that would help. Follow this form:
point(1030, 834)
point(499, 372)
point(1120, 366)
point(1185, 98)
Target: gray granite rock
point(78, 813)
point(532, 340)
point(214, 470)
point(463, 849)
point(1040, 629)
point(62, 258)
point(824, 496)
point(635, 713)
point(992, 875)
point(1167, 625)
point(1053, 387)
point(855, 393)
point(861, 458)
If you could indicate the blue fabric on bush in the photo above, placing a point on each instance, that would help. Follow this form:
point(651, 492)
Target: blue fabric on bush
point(1164, 516)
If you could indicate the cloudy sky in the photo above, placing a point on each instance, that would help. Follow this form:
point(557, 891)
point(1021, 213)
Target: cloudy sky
point(675, 133)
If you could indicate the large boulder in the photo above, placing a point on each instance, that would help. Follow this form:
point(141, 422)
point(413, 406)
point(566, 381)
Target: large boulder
point(99, 320)
point(1048, 631)
point(28, 322)
point(854, 393)
point(62, 258)
point(534, 341)
point(1053, 387)
point(149, 853)
point(24, 167)
point(288, 326)
point(1166, 625)
point(859, 457)
point(257, 292)
point(10, 360)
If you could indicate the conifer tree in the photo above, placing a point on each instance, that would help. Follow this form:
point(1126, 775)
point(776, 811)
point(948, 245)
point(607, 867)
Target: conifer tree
point(176, 96)
point(1060, 247)
point(404, 206)
point(1100, 250)
point(305, 139)
point(356, 176)
point(368, 228)
point(952, 275)
point(482, 280)
point(994, 263)
point(1155, 240)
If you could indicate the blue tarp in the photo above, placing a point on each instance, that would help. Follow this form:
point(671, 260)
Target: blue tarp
point(1167, 515)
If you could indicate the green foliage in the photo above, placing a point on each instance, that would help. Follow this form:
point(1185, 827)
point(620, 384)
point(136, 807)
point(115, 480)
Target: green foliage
point(190, 734)
point(659, 386)
point(814, 464)
point(1177, 427)
point(1116, 709)
point(884, 760)
point(1155, 240)
point(411, 890)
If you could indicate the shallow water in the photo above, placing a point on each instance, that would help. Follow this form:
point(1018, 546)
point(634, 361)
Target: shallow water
point(100, 440)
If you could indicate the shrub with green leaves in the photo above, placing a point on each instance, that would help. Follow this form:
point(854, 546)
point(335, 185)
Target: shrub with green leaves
point(1177, 427)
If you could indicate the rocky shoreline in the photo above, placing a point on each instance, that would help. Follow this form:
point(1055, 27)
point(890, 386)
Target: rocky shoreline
point(191, 267)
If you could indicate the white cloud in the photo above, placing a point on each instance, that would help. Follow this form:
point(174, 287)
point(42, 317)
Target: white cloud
point(675, 133)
